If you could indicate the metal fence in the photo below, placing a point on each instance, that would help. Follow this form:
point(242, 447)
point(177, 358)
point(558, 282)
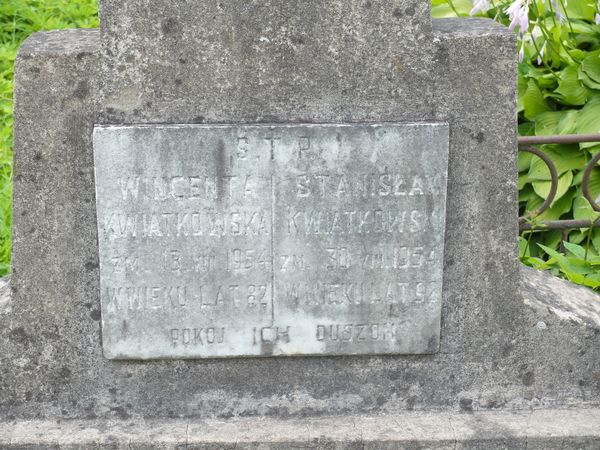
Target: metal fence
point(529, 144)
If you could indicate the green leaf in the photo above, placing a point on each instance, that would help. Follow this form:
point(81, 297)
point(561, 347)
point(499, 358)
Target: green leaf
point(526, 129)
point(564, 157)
point(556, 122)
point(559, 207)
point(523, 247)
point(542, 188)
point(555, 212)
point(593, 150)
point(547, 81)
point(568, 122)
point(441, 9)
point(580, 27)
point(596, 242)
point(591, 67)
point(585, 39)
point(534, 100)
point(577, 9)
point(594, 184)
point(534, 262)
point(524, 161)
point(577, 236)
point(575, 249)
point(551, 238)
point(592, 281)
point(522, 181)
point(546, 123)
point(522, 89)
point(527, 193)
point(583, 280)
point(588, 120)
point(582, 210)
point(534, 202)
point(575, 269)
point(586, 80)
point(567, 265)
point(571, 89)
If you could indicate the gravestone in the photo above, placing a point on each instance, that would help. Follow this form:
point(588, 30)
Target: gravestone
point(323, 184)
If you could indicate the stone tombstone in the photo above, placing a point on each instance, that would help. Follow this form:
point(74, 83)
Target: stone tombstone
point(272, 62)
point(235, 240)
point(189, 150)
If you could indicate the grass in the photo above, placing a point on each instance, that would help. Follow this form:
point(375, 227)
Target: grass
point(18, 19)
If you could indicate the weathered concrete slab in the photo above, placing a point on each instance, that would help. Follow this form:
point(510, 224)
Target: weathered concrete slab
point(5, 297)
point(549, 429)
point(553, 296)
point(271, 240)
point(267, 61)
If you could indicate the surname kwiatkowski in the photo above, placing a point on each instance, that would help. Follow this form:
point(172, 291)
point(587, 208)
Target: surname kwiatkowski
point(258, 223)
point(306, 212)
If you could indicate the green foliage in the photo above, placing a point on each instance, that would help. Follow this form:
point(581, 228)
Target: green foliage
point(579, 264)
point(18, 19)
point(559, 93)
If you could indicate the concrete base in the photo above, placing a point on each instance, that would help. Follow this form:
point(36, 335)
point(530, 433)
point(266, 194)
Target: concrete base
point(535, 429)
point(549, 429)
point(5, 295)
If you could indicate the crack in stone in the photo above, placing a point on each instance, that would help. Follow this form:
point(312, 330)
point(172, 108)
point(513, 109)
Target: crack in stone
point(187, 434)
point(454, 438)
point(528, 422)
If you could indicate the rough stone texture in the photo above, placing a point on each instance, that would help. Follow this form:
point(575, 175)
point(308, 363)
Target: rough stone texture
point(48, 338)
point(265, 61)
point(229, 240)
point(492, 355)
point(5, 298)
point(542, 430)
point(553, 296)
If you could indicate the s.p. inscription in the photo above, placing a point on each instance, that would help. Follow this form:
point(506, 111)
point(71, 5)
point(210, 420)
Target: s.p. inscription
point(257, 240)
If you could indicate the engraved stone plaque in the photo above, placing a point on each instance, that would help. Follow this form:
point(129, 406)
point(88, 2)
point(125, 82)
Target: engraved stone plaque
point(260, 240)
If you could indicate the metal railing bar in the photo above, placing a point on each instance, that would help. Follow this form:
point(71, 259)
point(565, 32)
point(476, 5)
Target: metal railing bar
point(553, 176)
point(585, 184)
point(558, 225)
point(558, 139)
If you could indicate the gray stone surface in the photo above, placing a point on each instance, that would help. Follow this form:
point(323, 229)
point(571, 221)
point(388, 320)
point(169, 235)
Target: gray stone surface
point(553, 296)
point(270, 240)
point(553, 429)
point(492, 353)
point(267, 61)
point(5, 297)
point(46, 339)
